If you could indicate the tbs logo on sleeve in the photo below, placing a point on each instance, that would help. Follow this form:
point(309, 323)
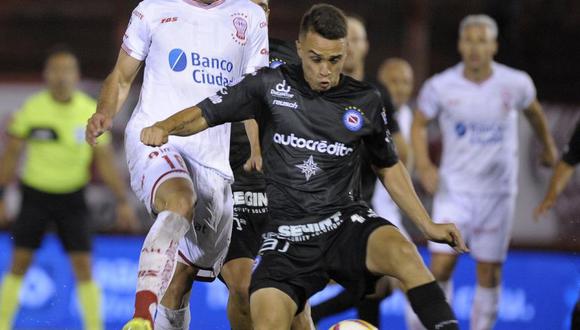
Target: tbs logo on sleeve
point(352, 118)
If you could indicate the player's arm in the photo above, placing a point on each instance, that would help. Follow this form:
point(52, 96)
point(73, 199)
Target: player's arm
point(105, 162)
point(237, 103)
point(184, 123)
point(254, 163)
point(8, 165)
point(402, 148)
point(398, 183)
point(562, 173)
point(535, 116)
point(113, 95)
point(428, 172)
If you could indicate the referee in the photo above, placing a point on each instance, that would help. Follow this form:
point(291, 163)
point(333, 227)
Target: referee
point(50, 127)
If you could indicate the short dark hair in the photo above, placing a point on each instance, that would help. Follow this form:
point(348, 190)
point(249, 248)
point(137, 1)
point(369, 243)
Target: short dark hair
point(60, 49)
point(326, 20)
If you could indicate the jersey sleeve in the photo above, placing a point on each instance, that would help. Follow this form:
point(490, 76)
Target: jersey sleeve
point(428, 102)
point(137, 38)
point(392, 123)
point(572, 152)
point(257, 49)
point(236, 103)
point(19, 125)
point(379, 144)
point(526, 92)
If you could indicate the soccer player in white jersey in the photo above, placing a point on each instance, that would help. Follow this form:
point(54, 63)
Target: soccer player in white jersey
point(477, 103)
point(397, 75)
point(191, 49)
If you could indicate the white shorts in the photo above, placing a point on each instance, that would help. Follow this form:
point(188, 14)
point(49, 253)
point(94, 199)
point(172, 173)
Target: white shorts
point(485, 221)
point(385, 207)
point(206, 243)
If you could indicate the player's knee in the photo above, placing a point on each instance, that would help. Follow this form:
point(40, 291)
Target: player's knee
point(180, 201)
point(488, 274)
point(240, 291)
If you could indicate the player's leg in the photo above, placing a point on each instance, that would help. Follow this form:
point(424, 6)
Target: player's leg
point(249, 219)
point(272, 309)
point(303, 321)
point(173, 313)
point(447, 207)
point(489, 248)
point(237, 274)
point(286, 276)
point(204, 246)
point(162, 181)
point(28, 231)
point(72, 223)
point(390, 253)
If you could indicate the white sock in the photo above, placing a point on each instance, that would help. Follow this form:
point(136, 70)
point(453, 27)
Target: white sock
point(172, 319)
point(485, 308)
point(158, 255)
point(412, 320)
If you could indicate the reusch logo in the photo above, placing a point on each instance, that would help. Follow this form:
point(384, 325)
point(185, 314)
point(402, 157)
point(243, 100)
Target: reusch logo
point(177, 60)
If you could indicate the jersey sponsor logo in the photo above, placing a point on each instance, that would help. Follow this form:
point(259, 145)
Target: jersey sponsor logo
point(206, 70)
point(240, 22)
point(276, 62)
point(263, 24)
point(177, 60)
point(264, 51)
point(335, 149)
point(250, 198)
point(303, 232)
point(43, 134)
point(480, 133)
point(352, 119)
point(460, 129)
point(282, 90)
point(169, 20)
point(292, 105)
point(308, 167)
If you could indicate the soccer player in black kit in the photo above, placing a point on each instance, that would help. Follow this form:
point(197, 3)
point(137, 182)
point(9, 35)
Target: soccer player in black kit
point(251, 204)
point(313, 121)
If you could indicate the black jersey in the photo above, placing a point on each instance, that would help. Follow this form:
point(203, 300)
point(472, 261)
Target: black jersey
point(281, 52)
point(572, 154)
point(310, 141)
point(368, 177)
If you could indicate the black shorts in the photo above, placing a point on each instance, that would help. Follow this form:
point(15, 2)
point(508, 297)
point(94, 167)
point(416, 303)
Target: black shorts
point(67, 211)
point(250, 218)
point(301, 259)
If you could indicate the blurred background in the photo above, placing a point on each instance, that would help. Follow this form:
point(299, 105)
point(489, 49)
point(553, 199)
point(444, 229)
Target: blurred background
point(542, 276)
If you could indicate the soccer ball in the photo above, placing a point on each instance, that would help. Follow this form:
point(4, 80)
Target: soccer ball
point(353, 325)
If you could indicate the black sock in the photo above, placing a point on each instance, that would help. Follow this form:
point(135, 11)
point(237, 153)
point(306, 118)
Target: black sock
point(335, 305)
point(368, 310)
point(576, 316)
point(428, 302)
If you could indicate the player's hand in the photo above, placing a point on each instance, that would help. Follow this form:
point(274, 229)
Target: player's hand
point(96, 126)
point(254, 163)
point(154, 136)
point(127, 221)
point(544, 206)
point(549, 156)
point(446, 233)
point(429, 177)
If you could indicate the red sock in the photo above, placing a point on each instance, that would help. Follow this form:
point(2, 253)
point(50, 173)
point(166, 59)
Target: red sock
point(143, 300)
